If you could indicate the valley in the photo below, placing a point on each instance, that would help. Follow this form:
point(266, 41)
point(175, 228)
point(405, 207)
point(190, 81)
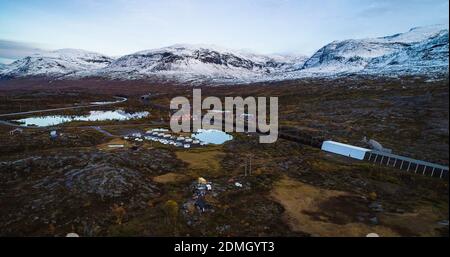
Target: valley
point(77, 183)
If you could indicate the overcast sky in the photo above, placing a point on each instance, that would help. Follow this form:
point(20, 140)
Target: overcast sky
point(117, 27)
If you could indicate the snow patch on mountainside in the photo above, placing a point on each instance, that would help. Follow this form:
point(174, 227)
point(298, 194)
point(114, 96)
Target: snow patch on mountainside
point(197, 62)
point(427, 55)
point(55, 63)
point(405, 52)
point(416, 34)
point(420, 51)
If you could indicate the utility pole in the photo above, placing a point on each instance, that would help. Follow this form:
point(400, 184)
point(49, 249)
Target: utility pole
point(250, 165)
point(245, 168)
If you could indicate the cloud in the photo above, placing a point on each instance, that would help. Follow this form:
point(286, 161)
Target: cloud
point(373, 9)
point(13, 50)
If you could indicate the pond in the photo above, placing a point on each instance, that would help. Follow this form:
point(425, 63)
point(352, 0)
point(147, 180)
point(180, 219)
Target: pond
point(212, 136)
point(51, 120)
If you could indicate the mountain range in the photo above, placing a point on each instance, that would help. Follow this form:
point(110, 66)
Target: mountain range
point(420, 51)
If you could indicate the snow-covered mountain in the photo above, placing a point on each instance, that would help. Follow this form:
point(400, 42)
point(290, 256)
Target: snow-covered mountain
point(412, 51)
point(198, 63)
point(55, 64)
point(429, 55)
point(420, 51)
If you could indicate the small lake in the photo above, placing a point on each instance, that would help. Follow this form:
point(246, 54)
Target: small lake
point(160, 130)
point(212, 136)
point(51, 120)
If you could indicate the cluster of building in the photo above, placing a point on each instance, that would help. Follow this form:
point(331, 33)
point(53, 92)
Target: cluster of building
point(165, 138)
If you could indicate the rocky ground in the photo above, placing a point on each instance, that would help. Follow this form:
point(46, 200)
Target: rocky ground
point(77, 184)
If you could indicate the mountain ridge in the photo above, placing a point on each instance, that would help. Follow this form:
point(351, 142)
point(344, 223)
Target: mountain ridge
point(421, 50)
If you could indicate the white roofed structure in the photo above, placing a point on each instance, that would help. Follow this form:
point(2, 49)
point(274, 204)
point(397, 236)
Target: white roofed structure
point(344, 149)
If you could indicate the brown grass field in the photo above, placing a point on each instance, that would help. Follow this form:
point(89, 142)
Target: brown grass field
point(77, 183)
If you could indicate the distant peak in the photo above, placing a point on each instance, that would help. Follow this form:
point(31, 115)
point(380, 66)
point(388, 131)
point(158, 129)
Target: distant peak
point(435, 27)
point(188, 47)
point(416, 34)
point(73, 51)
point(195, 46)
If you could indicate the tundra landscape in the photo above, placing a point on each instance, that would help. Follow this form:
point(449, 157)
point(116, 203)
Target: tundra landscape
point(76, 183)
point(86, 147)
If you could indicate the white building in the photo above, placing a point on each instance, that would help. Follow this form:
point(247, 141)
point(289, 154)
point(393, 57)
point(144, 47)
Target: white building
point(344, 149)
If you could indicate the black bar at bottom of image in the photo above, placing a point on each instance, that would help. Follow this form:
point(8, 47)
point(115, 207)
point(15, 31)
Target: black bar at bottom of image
point(229, 246)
